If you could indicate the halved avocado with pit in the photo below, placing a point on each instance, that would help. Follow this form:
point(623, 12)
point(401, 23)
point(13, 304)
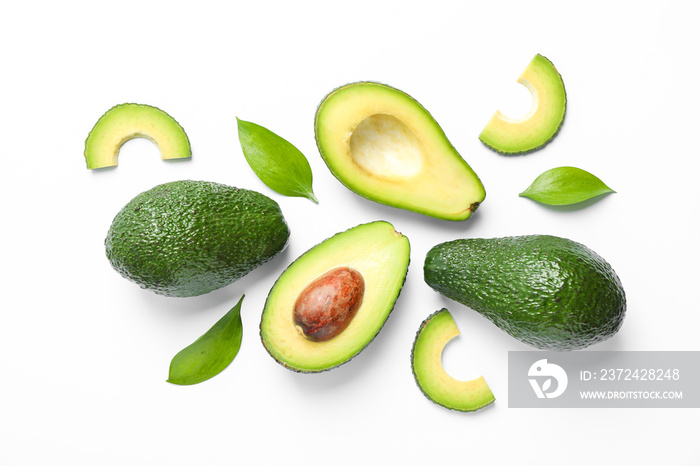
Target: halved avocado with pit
point(426, 361)
point(383, 145)
point(128, 121)
point(531, 132)
point(375, 251)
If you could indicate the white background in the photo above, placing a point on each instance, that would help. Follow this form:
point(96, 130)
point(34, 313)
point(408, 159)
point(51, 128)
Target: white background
point(85, 353)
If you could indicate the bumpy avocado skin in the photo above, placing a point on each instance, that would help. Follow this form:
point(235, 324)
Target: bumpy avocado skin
point(187, 238)
point(546, 291)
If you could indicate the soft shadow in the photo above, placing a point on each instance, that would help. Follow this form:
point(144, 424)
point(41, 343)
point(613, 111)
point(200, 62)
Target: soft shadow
point(179, 160)
point(103, 169)
point(614, 343)
point(537, 149)
point(215, 299)
point(389, 213)
point(574, 207)
point(476, 322)
point(114, 167)
point(352, 370)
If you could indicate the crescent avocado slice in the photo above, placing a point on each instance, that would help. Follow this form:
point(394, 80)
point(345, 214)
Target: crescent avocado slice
point(374, 250)
point(426, 360)
point(127, 121)
point(541, 124)
point(383, 145)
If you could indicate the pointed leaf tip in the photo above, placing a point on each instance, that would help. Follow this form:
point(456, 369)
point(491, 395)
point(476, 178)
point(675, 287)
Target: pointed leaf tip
point(211, 353)
point(278, 163)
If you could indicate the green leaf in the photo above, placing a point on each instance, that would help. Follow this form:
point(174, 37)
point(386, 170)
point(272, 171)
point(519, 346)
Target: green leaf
point(211, 353)
point(565, 185)
point(278, 164)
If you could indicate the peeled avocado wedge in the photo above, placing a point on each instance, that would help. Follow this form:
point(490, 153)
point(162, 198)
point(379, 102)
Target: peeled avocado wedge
point(426, 361)
point(383, 145)
point(531, 132)
point(375, 251)
point(128, 121)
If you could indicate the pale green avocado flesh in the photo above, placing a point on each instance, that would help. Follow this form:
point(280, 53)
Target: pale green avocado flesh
point(383, 145)
point(375, 250)
point(426, 361)
point(521, 135)
point(128, 121)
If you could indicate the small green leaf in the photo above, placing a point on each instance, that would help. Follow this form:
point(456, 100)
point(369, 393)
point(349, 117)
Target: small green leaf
point(278, 164)
point(211, 353)
point(565, 185)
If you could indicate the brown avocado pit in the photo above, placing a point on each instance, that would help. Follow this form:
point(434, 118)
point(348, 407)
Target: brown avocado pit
point(375, 250)
point(328, 304)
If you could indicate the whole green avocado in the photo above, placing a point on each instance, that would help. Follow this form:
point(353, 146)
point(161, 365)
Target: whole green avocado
point(187, 238)
point(546, 291)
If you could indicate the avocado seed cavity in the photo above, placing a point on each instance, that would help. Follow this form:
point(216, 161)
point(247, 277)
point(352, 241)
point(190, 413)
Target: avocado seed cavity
point(327, 305)
point(385, 147)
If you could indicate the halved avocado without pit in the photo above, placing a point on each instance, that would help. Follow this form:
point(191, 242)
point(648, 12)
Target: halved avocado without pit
point(531, 132)
point(383, 145)
point(128, 121)
point(426, 360)
point(331, 302)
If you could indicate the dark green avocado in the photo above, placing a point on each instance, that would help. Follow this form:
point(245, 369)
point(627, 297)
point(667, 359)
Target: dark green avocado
point(187, 238)
point(546, 291)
